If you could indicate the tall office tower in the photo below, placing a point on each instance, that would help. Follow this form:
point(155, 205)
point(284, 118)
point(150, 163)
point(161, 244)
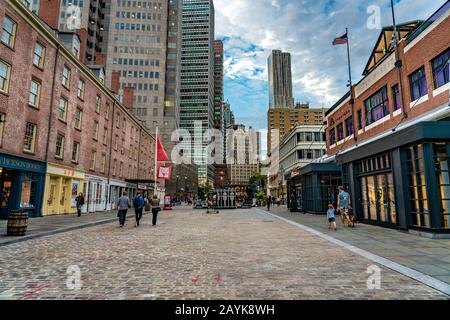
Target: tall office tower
point(136, 49)
point(197, 82)
point(84, 17)
point(228, 123)
point(280, 80)
point(218, 84)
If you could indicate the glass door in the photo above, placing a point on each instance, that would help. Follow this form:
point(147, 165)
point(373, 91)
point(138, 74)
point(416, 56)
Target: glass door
point(391, 202)
point(365, 201)
point(371, 189)
point(382, 203)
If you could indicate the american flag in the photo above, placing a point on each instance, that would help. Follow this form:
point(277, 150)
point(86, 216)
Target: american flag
point(341, 40)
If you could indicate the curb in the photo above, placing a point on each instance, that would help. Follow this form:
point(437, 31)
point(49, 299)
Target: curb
point(56, 231)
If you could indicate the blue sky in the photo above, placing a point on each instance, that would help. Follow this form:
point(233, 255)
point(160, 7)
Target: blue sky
point(250, 29)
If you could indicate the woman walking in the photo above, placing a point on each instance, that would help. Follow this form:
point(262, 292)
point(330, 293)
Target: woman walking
point(155, 209)
point(80, 203)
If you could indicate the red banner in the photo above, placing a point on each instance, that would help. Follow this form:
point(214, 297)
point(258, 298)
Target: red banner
point(165, 172)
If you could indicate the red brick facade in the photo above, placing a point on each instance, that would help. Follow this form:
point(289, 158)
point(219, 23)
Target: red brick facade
point(420, 52)
point(135, 146)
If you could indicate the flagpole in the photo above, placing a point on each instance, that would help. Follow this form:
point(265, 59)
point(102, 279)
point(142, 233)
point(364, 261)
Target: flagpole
point(156, 159)
point(352, 100)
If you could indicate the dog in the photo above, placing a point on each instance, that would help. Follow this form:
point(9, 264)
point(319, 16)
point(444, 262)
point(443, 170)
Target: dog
point(347, 216)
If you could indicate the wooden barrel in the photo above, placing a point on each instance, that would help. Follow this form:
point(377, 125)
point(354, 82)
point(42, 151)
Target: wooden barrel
point(17, 223)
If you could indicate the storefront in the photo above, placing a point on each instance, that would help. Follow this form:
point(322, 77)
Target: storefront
point(96, 194)
point(402, 180)
point(116, 189)
point(22, 184)
point(314, 188)
point(62, 185)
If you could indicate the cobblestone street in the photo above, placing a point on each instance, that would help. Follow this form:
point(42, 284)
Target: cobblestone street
point(240, 254)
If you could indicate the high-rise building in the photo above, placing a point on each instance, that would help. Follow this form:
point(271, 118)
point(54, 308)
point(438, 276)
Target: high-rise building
point(84, 17)
point(243, 162)
point(197, 80)
point(228, 123)
point(218, 84)
point(137, 49)
point(282, 121)
point(280, 80)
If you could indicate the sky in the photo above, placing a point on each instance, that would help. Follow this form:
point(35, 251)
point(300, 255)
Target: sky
point(250, 29)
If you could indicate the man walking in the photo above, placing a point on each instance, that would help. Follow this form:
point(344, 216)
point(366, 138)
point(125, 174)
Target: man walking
point(343, 203)
point(155, 209)
point(123, 204)
point(80, 203)
point(138, 207)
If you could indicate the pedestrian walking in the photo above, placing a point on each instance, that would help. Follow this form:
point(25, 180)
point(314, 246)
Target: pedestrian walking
point(343, 204)
point(138, 203)
point(331, 217)
point(156, 208)
point(123, 204)
point(80, 203)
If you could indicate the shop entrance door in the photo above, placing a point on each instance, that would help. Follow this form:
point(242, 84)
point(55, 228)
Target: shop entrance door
point(378, 199)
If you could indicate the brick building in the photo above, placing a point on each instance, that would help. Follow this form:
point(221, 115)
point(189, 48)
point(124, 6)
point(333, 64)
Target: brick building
point(62, 131)
point(393, 142)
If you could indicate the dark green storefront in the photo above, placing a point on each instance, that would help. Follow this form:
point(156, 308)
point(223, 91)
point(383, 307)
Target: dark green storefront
point(402, 180)
point(21, 185)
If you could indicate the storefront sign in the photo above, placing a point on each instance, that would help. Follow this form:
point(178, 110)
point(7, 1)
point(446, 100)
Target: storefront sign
point(65, 172)
point(11, 162)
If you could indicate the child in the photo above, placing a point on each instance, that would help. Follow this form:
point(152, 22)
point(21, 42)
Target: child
point(331, 217)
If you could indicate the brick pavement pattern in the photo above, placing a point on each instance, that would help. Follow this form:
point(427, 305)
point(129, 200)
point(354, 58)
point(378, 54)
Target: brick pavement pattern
point(238, 254)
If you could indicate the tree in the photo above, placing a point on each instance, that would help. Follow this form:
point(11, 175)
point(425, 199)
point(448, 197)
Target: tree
point(259, 180)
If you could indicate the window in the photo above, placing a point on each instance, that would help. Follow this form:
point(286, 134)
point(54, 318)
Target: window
point(39, 54)
point(9, 32)
point(396, 97)
point(105, 136)
point(340, 131)
point(118, 120)
point(93, 159)
point(75, 152)
point(66, 77)
point(30, 137)
point(29, 191)
point(440, 69)
point(80, 92)
point(332, 136)
point(441, 151)
point(59, 146)
point(103, 163)
point(78, 118)
point(35, 93)
point(95, 134)
point(116, 142)
point(5, 70)
point(377, 106)
point(418, 84)
point(2, 127)
point(114, 167)
point(121, 169)
point(107, 111)
point(62, 109)
point(349, 128)
point(98, 102)
point(360, 123)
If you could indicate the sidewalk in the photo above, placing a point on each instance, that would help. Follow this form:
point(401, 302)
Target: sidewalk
point(40, 227)
point(429, 256)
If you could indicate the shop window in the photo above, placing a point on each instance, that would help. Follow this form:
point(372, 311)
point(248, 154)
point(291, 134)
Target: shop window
point(442, 165)
point(30, 137)
point(418, 84)
point(417, 187)
point(5, 71)
point(377, 106)
point(9, 31)
point(6, 194)
point(28, 194)
point(441, 68)
point(66, 77)
point(39, 55)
